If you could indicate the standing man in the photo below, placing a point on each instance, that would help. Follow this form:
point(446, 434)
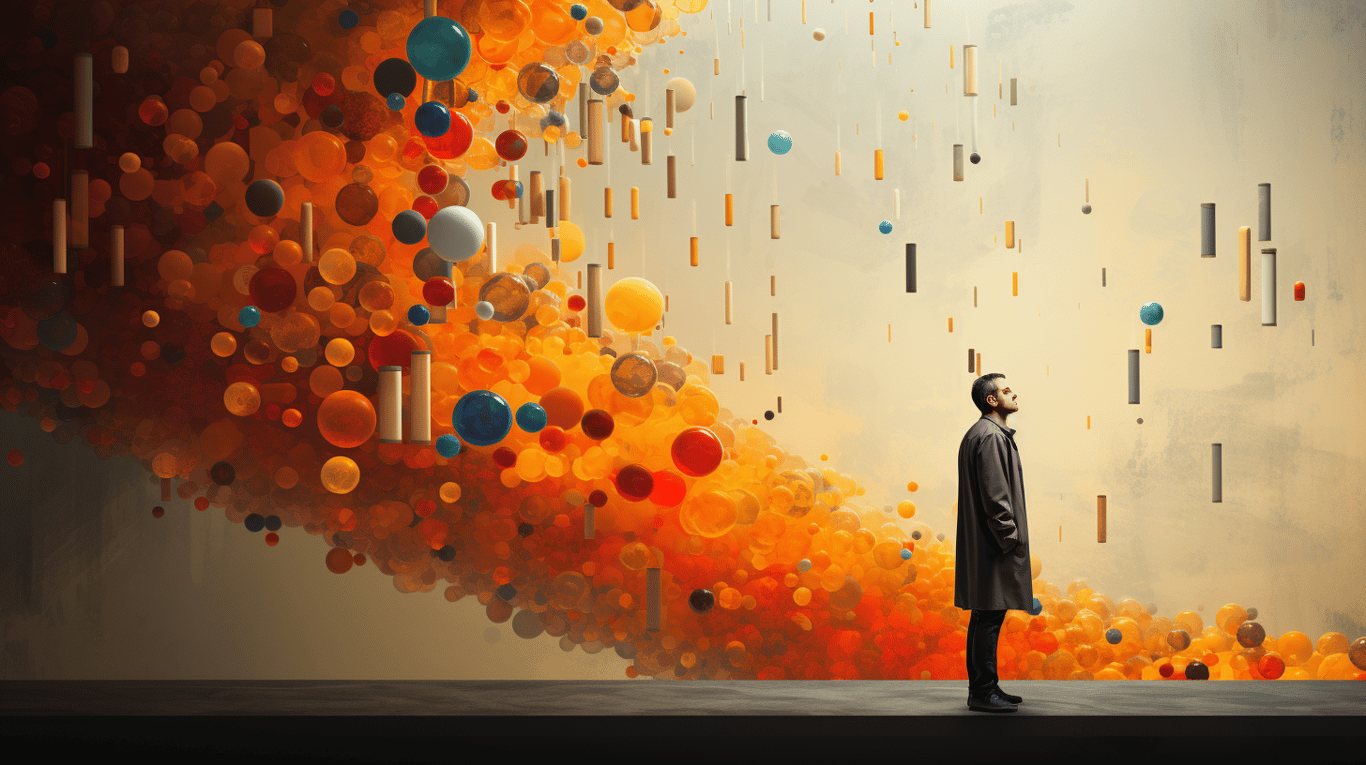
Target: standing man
point(993, 569)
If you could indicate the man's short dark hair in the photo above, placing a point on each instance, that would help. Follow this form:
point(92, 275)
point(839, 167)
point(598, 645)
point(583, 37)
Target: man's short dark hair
point(984, 386)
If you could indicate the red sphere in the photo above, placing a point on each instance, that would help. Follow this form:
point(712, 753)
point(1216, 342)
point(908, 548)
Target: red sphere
point(499, 190)
point(438, 290)
point(504, 457)
point(634, 482)
point(432, 179)
point(697, 451)
point(577, 303)
point(597, 424)
point(393, 350)
point(511, 145)
point(552, 438)
point(323, 84)
point(455, 142)
point(597, 498)
point(669, 488)
point(273, 289)
point(503, 107)
point(272, 539)
point(426, 206)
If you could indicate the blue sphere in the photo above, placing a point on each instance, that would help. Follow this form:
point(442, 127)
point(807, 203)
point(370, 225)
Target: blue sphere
point(1113, 636)
point(348, 19)
point(448, 446)
point(885, 227)
point(395, 101)
point(58, 332)
point(1150, 314)
point(1035, 608)
point(255, 522)
point(249, 316)
point(531, 417)
point(473, 96)
point(438, 48)
point(482, 418)
point(418, 315)
point(409, 227)
point(779, 142)
point(432, 119)
point(905, 554)
point(578, 11)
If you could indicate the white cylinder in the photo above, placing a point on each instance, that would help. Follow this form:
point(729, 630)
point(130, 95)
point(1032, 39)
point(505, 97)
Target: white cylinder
point(491, 242)
point(390, 405)
point(80, 208)
point(116, 255)
point(1269, 287)
point(969, 70)
point(775, 340)
point(420, 398)
point(59, 236)
point(84, 91)
point(306, 230)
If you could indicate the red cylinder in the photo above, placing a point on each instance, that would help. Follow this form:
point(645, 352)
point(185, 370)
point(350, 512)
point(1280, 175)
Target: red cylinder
point(1299, 290)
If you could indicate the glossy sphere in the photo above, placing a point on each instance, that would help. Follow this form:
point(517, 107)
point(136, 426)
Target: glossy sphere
point(885, 227)
point(697, 451)
point(563, 407)
point(780, 142)
point(249, 316)
point(552, 439)
point(409, 227)
point(482, 418)
point(264, 198)
point(503, 107)
point(511, 145)
point(242, 399)
point(597, 424)
point(701, 601)
point(538, 83)
point(634, 374)
point(357, 204)
point(427, 207)
point(318, 156)
point(395, 102)
point(504, 457)
point(394, 350)
point(346, 418)
point(448, 446)
point(432, 119)
point(710, 514)
point(531, 417)
point(438, 290)
point(1150, 314)
point(340, 475)
point(273, 289)
point(456, 233)
point(432, 179)
point(633, 304)
point(394, 76)
point(634, 482)
point(438, 48)
point(419, 315)
point(1250, 634)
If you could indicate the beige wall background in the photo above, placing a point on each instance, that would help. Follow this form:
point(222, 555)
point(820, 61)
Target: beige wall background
point(1162, 105)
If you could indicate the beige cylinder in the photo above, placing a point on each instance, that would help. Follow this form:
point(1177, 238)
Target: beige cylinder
point(927, 14)
point(773, 285)
point(1245, 263)
point(775, 340)
point(1010, 235)
point(563, 197)
point(729, 304)
point(83, 87)
point(647, 155)
point(537, 196)
point(742, 371)
point(390, 405)
point(262, 22)
point(59, 236)
point(119, 59)
point(491, 245)
point(1100, 518)
point(306, 230)
point(420, 398)
point(625, 129)
point(595, 134)
point(672, 162)
point(730, 209)
point(607, 202)
point(773, 221)
point(593, 309)
point(768, 354)
point(1012, 91)
point(958, 162)
point(668, 107)
point(969, 70)
point(116, 256)
point(555, 249)
point(635, 135)
point(80, 209)
point(635, 203)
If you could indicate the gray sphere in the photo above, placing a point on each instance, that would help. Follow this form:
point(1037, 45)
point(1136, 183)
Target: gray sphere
point(1086, 209)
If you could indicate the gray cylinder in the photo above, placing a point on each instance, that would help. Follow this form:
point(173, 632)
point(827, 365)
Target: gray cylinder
point(1102, 277)
point(740, 154)
point(1216, 335)
point(910, 266)
point(1217, 461)
point(1133, 376)
point(594, 307)
point(1269, 287)
point(550, 220)
point(971, 361)
point(1012, 91)
point(1206, 229)
point(1264, 212)
point(958, 162)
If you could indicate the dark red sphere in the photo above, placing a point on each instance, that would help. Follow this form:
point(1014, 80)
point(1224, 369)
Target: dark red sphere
point(634, 482)
point(394, 350)
point(576, 303)
point(504, 457)
point(273, 289)
point(438, 290)
point(597, 498)
point(697, 451)
point(426, 206)
point(553, 438)
point(511, 145)
point(432, 179)
point(597, 424)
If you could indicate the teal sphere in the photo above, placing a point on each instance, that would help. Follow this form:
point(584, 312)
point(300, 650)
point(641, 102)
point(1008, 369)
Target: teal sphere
point(779, 142)
point(249, 316)
point(438, 48)
point(1151, 314)
point(885, 227)
point(531, 417)
point(448, 446)
point(482, 418)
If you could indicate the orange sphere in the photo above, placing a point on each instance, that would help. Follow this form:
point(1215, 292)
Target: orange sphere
point(544, 376)
point(339, 560)
point(563, 407)
point(346, 419)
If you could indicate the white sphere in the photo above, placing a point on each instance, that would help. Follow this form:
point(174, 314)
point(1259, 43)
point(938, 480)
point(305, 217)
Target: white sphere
point(456, 233)
point(819, 34)
point(484, 310)
point(685, 94)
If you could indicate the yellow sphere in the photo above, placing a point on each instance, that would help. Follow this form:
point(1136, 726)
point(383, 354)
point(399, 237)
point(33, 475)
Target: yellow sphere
point(223, 344)
point(572, 242)
point(340, 475)
point(337, 266)
point(905, 508)
point(339, 352)
point(150, 318)
point(242, 399)
point(903, 115)
point(633, 305)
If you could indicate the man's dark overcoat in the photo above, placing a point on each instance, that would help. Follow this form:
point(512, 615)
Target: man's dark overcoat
point(992, 564)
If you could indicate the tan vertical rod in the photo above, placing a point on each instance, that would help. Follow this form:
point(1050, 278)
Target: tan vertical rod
point(729, 303)
point(773, 221)
point(563, 197)
point(306, 230)
point(672, 162)
point(647, 154)
point(420, 398)
point(537, 196)
point(116, 256)
point(595, 131)
point(59, 236)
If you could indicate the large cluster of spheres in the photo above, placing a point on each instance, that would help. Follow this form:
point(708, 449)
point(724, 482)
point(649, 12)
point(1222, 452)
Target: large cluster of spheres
point(245, 371)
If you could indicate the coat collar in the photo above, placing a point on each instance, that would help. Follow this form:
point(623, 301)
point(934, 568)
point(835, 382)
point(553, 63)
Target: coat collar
point(1007, 430)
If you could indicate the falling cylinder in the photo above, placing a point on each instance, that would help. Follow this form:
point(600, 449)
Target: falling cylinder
point(672, 175)
point(1268, 286)
point(1206, 229)
point(958, 162)
point(390, 405)
point(773, 221)
point(1245, 263)
point(1217, 463)
point(1010, 235)
point(595, 136)
point(647, 155)
point(306, 230)
point(420, 398)
point(1263, 212)
point(969, 70)
point(729, 304)
point(910, 266)
point(877, 164)
point(594, 307)
point(1133, 376)
point(1216, 335)
point(740, 143)
point(116, 256)
point(59, 236)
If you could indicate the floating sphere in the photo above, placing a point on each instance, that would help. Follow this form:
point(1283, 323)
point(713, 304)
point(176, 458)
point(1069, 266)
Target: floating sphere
point(634, 482)
point(685, 93)
point(264, 198)
point(357, 204)
point(531, 417)
point(254, 522)
point(1150, 313)
point(597, 424)
point(249, 316)
point(593, 25)
point(1086, 209)
point(633, 304)
point(634, 374)
point(346, 418)
point(780, 142)
point(222, 473)
point(340, 475)
point(456, 233)
point(697, 451)
point(511, 145)
point(1196, 670)
point(1250, 634)
point(1113, 636)
point(1179, 639)
point(482, 418)
point(903, 115)
point(509, 294)
point(604, 81)
point(409, 227)
point(273, 289)
point(1035, 607)
point(563, 407)
point(484, 310)
point(448, 446)
point(701, 601)
point(819, 34)
point(394, 76)
point(432, 119)
point(438, 290)
point(578, 11)
point(538, 83)
point(975, 157)
point(419, 315)
point(438, 48)
point(433, 179)
point(395, 102)
point(348, 19)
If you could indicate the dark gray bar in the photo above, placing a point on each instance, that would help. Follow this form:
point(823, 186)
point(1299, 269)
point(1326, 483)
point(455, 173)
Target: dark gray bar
point(550, 221)
point(910, 266)
point(740, 153)
point(1206, 229)
point(1217, 460)
point(1133, 376)
point(971, 362)
point(1216, 335)
point(1264, 216)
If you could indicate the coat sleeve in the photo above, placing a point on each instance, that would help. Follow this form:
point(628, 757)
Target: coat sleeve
point(992, 464)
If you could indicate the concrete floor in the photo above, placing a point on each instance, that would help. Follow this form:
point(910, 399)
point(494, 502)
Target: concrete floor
point(361, 720)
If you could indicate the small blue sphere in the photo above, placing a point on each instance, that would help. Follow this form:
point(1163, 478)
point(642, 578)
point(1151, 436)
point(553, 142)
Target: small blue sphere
point(905, 554)
point(396, 101)
point(348, 19)
point(779, 142)
point(885, 227)
point(531, 417)
point(473, 96)
point(409, 227)
point(1113, 636)
point(432, 119)
point(249, 316)
point(804, 565)
point(1150, 314)
point(482, 418)
point(448, 446)
point(579, 11)
point(418, 315)
point(1035, 608)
